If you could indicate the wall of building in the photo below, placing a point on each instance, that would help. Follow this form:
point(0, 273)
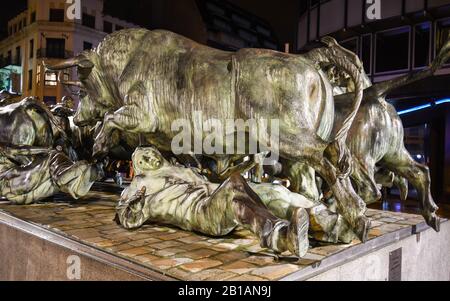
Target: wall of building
point(76, 35)
point(333, 13)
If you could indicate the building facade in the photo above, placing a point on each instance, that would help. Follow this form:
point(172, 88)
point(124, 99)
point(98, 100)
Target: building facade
point(44, 33)
point(404, 36)
point(216, 23)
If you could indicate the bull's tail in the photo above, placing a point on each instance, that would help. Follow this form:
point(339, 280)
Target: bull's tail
point(350, 63)
point(31, 103)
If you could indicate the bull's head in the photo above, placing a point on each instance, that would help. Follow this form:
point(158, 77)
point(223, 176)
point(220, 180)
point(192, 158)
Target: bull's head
point(91, 108)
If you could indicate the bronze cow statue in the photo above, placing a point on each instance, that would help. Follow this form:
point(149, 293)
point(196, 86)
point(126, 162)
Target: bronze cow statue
point(138, 82)
point(376, 141)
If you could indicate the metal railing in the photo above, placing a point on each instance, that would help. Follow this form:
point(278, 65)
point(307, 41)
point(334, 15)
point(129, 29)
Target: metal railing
point(53, 54)
point(10, 61)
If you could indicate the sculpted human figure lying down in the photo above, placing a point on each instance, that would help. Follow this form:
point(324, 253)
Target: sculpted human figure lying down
point(31, 174)
point(172, 194)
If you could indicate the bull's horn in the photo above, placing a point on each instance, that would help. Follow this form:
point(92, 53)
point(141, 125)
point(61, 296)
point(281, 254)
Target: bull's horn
point(79, 61)
point(77, 84)
point(72, 83)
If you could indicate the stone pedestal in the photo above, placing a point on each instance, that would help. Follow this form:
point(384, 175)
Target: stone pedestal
point(61, 241)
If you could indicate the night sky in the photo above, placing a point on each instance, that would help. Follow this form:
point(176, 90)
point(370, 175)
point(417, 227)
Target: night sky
point(281, 14)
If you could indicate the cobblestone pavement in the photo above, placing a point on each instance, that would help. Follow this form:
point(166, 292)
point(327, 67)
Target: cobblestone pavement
point(181, 254)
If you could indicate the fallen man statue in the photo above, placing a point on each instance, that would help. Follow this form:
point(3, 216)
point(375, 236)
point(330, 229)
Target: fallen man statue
point(167, 193)
point(31, 174)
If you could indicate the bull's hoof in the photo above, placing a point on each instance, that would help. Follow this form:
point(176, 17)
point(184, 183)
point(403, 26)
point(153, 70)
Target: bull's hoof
point(362, 228)
point(434, 222)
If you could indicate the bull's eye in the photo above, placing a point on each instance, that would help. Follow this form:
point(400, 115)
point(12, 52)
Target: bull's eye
point(83, 93)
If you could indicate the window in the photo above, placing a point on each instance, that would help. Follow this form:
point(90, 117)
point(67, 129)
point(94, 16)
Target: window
point(351, 45)
point(56, 15)
point(30, 80)
point(32, 17)
point(88, 20)
point(422, 36)
point(87, 45)
point(51, 79)
point(107, 27)
point(38, 74)
point(442, 33)
point(31, 49)
point(66, 76)
point(366, 53)
point(56, 48)
point(24, 22)
point(18, 60)
point(118, 27)
point(20, 25)
point(392, 50)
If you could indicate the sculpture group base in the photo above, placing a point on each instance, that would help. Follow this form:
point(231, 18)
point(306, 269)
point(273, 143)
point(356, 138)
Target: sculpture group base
point(41, 242)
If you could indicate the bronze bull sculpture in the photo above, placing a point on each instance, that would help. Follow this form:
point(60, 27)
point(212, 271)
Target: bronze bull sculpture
point(29, 123)
point(376, 143)
point(138, 82)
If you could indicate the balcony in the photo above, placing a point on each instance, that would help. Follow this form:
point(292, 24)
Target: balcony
point(53, 54)
point(4, 62)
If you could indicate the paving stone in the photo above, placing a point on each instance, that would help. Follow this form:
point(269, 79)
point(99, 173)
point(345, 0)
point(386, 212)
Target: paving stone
point(106, 243)
point(191, 239)
point(200, 265)
point(375, 224)
point(168, 252)
point(260, 260)
point(120, 247)
point(144, 242)
point(165, 245)
point(95, 239)
point(389, 219)
point(244, 278)
point(146, 258)
point(224, 246)
point(239, 267)
point(84, 233)
point(196, 246)
point(275, 272)
point(408, 222)
point(373, 233)
point(134, 252)
point(165, 264)
point(389, 228)
point(329, 250)
point(212, 275)
point(179, 273)
point(174, 236)
point(200, 253)
point(231, 256)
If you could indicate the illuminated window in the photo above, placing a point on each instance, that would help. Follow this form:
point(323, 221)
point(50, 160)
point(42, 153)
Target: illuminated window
point(38, 74)
point(30, 79)
point(51, 79)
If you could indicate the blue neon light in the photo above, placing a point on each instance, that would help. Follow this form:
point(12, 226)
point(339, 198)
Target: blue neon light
point(414, 109)
point(447, 100)
point(422, 107)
